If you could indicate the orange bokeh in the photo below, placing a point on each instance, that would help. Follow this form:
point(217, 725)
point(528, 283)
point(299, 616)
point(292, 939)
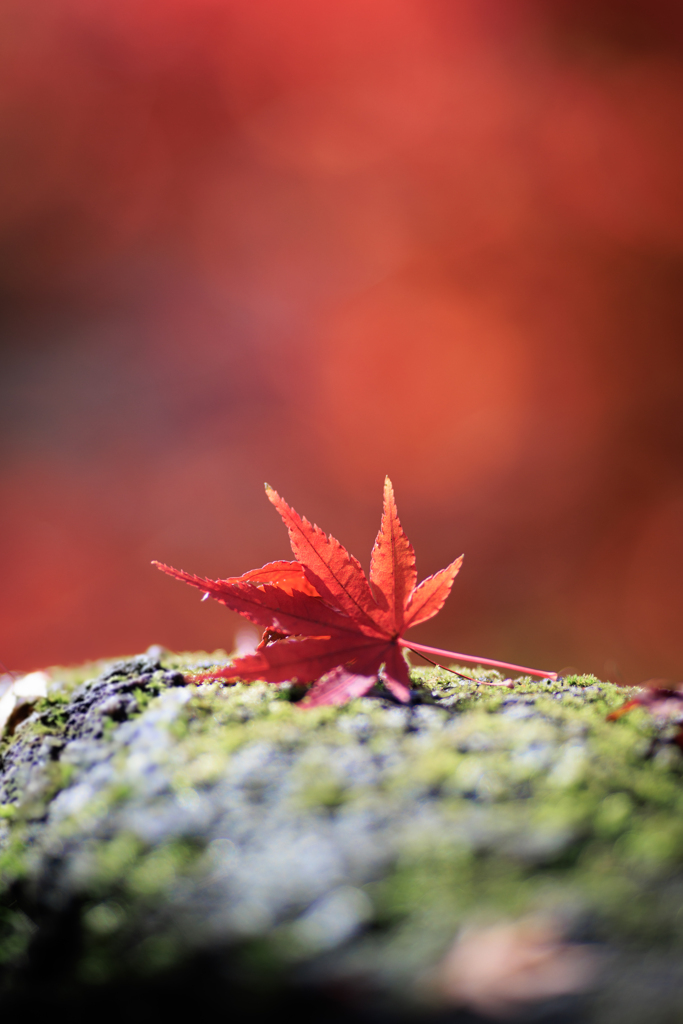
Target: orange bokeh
point(311, 243)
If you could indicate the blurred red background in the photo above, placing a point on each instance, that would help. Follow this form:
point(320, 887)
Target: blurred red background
point(312, 243)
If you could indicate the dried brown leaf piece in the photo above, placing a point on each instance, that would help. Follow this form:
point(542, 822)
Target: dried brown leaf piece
point(662, 699)
point(501, 969)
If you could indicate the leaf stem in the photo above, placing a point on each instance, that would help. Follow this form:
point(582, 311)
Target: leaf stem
point(475, 661)
point(461, 675)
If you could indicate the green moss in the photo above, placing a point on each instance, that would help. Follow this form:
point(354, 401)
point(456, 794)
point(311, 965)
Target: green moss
point(153, 874)
point(46, 782)
point(115, 859)
point(16, 931)
point(52, 713)
point(502, 802)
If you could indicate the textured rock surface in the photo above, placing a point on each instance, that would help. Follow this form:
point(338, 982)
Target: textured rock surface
point(162, 845)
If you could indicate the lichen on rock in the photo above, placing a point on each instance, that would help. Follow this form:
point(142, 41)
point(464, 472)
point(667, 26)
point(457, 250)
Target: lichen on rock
point(153, 832)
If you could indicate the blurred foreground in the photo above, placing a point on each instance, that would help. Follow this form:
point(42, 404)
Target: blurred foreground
point(479, 854)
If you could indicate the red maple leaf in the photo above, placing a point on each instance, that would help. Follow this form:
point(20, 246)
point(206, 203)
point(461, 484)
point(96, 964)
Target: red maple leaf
point(325, 622)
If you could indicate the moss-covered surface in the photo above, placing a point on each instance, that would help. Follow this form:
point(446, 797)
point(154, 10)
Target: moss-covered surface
point(149, 828)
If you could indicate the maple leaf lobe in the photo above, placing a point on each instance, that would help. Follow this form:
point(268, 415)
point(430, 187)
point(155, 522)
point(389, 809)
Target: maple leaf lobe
point(270, 606)
point(429, 597)
point(336, 575)
point(393, 573)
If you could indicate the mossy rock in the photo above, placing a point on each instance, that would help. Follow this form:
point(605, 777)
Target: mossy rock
point(163, 845)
